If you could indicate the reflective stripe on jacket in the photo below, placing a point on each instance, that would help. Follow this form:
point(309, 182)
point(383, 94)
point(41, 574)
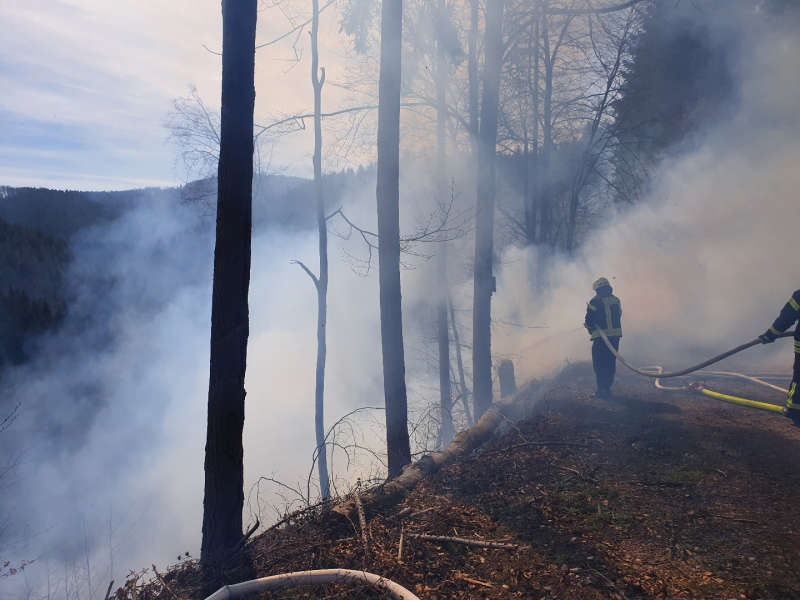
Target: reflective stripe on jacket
point(789, 315)
point(604, 313)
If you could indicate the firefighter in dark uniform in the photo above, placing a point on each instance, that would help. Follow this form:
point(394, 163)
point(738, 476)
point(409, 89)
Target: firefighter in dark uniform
point(788, 317)
point(604, 312)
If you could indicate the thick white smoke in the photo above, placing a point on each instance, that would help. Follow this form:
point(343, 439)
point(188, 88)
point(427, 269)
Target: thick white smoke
point(706, 263)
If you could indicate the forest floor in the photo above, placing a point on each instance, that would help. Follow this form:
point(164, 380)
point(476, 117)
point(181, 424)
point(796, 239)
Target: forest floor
point(649, 494)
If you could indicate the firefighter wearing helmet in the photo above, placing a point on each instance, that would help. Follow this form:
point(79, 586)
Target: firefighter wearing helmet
point(604, 313)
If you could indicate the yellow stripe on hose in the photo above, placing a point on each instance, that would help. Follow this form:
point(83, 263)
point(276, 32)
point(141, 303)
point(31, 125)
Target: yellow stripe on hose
point(743, 401)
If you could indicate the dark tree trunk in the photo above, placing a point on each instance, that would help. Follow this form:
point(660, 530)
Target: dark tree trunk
point(445, 394)
point(322, 282)
point(546, 200)
point(508, 383)
point(224, 495)
point(484, 214)
point(534, 190)
point(388, 199)
point(472, 68)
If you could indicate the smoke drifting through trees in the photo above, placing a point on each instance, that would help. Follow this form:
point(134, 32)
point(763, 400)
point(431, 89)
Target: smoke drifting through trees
point(712, 219)
point(709, 228)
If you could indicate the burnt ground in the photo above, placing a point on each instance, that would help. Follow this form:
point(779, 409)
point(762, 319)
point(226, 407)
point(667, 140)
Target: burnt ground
point(650, 494)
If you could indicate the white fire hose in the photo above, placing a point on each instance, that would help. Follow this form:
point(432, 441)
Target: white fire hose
point(320, 577)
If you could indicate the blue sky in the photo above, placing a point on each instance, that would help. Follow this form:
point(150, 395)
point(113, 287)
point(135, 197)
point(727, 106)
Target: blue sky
point(86, 86)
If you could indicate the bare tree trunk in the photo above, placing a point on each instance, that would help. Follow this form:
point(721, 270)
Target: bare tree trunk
point(317, 81)
point(484, 213)
point(224, 495)
point(535, 190)
point(445, 394)
point(388, 200)
point(472, 68)
point(572, 217)
point(462, 379)
point(546, 199)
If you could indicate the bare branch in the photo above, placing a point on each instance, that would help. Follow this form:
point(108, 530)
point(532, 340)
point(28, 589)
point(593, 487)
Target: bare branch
point(296, 29)
point(591, 10)
point(299, 120)
point(308, 271)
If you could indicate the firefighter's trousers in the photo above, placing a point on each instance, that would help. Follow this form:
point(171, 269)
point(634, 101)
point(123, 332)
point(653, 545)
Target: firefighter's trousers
point(605, 364)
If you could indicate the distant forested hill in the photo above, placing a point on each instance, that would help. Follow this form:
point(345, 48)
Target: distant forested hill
point(39, 226)
point(32, 272)
point(63, 213)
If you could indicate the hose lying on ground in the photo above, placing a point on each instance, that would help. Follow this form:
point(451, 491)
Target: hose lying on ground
point(320, 577)
point(749, 378)
point(688, 370)
point(774, 408)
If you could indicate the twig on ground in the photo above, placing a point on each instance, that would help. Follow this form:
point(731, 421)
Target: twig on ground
point(578, 473)
point(400, 546)
point(737, 519)
point(610, 583)
point(515, 428)
point(299, 513)
point(161, 579)
point(236, 549)
point(466, 541)
point(250, 531)
point(108, 591)
point(471, 580)
point(362, 519)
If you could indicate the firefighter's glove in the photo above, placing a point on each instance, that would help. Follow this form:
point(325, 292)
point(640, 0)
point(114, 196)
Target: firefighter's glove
point(767, 337)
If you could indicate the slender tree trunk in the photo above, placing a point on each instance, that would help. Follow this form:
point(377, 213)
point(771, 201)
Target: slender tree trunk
point(388, 200)
point(526, 183)
point(484, 214)
point(462, 379)
point(472, 69)
point(224, 495)
point(546, 200)
point(445, 394)
point(572, 219)
point(317, 82)
point(535, 191)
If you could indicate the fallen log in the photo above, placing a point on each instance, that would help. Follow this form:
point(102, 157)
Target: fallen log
point(394, 490)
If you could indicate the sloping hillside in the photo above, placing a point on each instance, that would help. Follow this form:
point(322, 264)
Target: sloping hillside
point(648, 495)
point(29, 304)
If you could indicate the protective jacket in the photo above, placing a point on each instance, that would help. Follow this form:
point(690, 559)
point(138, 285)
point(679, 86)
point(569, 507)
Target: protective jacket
point(604, 312)
point(788, 316)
